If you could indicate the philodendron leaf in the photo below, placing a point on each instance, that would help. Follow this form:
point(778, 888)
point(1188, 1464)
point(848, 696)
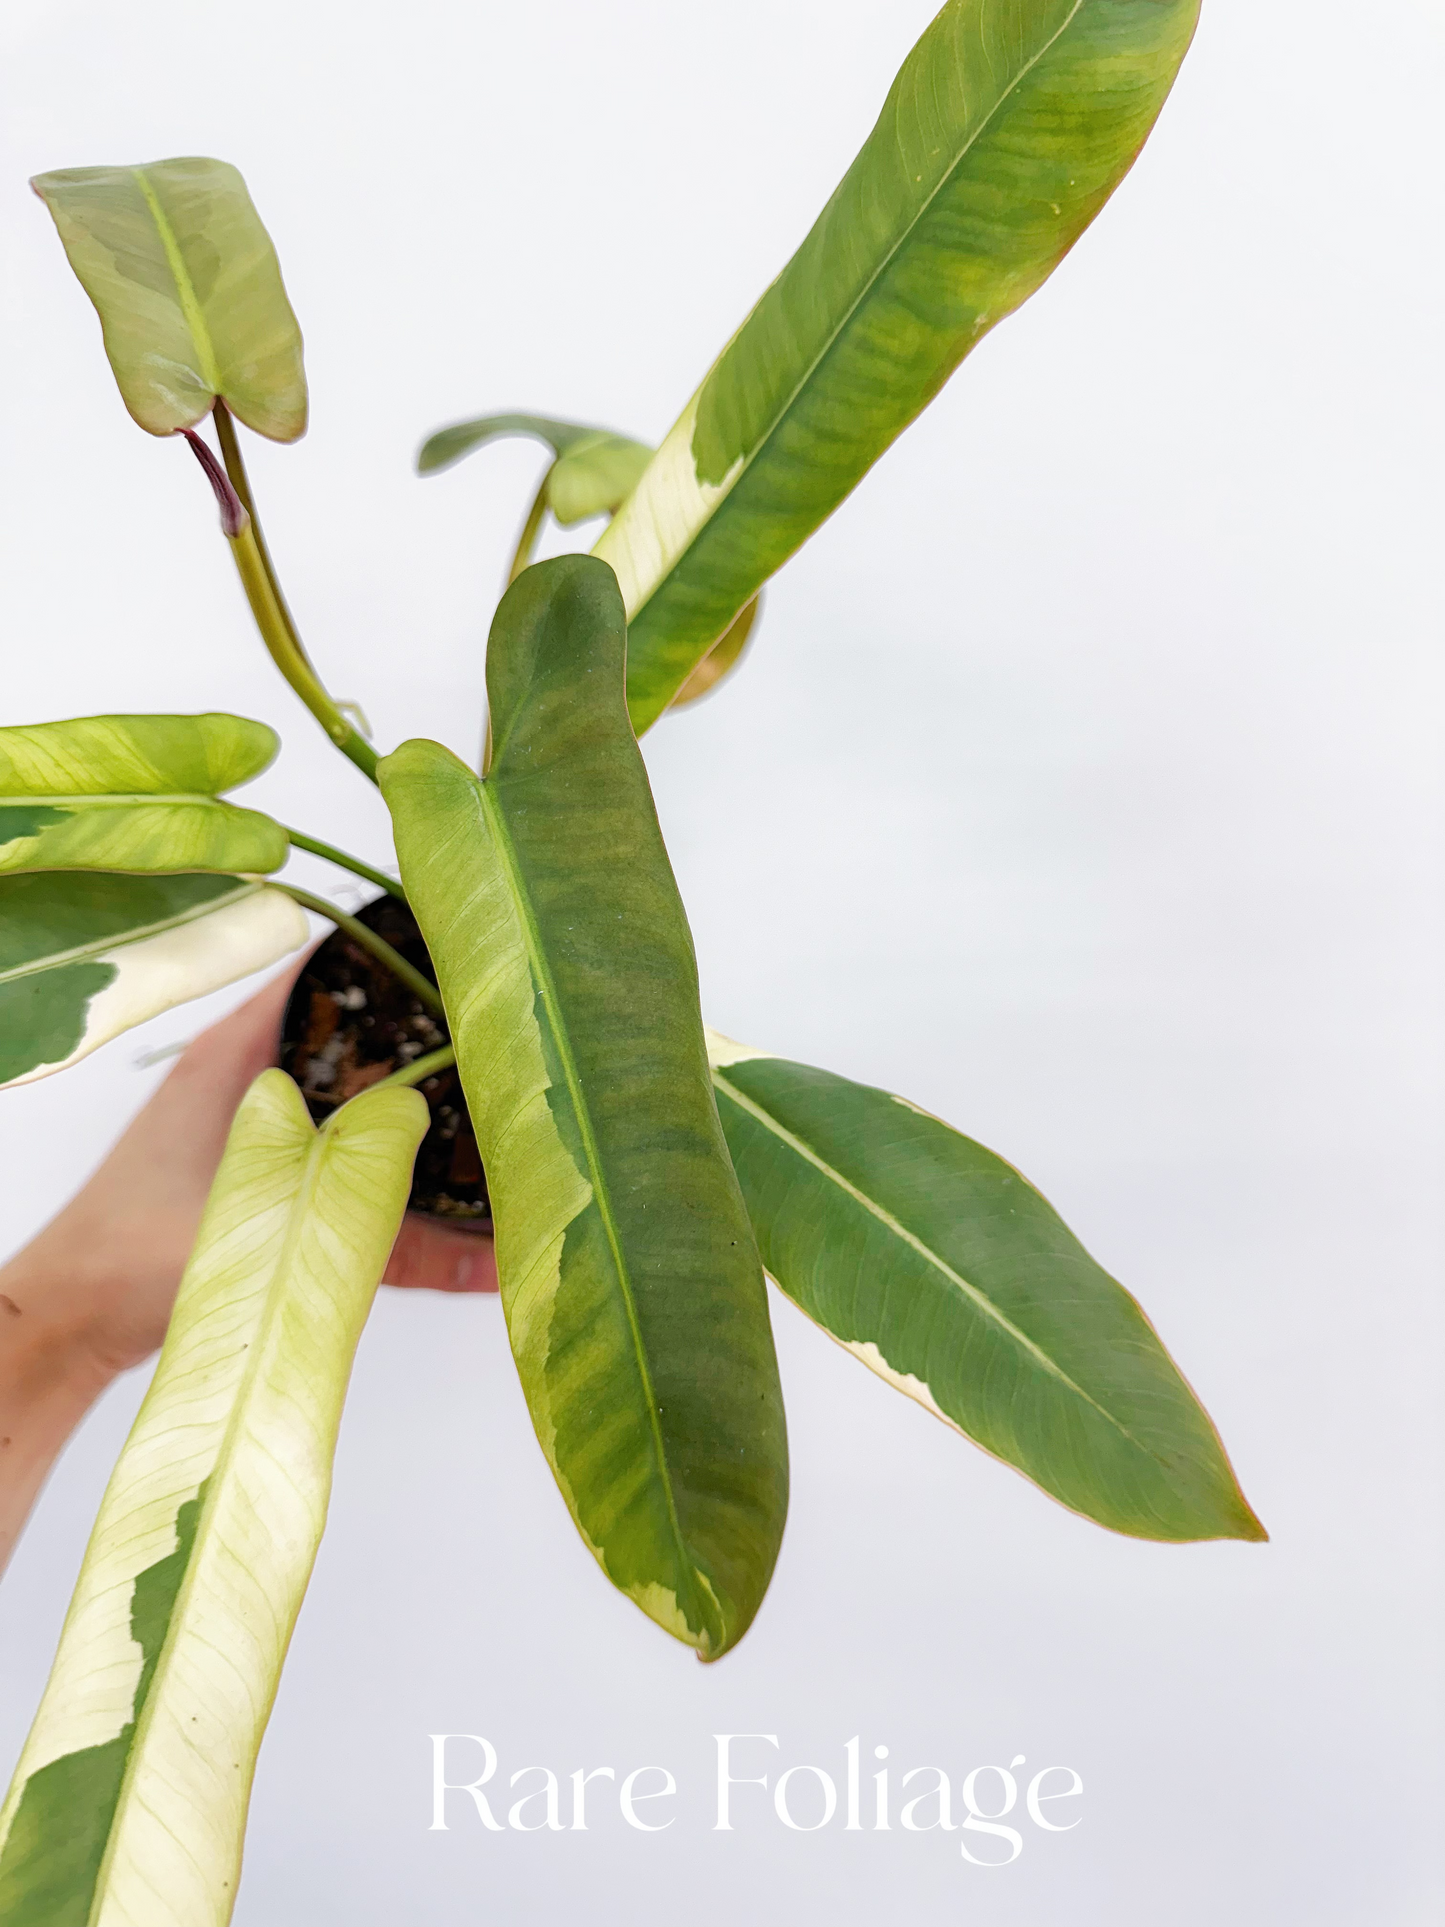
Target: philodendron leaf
point(449, 445)
point(944, 1270)
point(138, 793)
point(129, 1802)
point(1010, 124)
point(188, 290)
point(85, 956)
point(595, 477)
point(593, 474)
point(629, 1276)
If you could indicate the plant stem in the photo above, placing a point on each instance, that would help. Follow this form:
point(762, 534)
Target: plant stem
point(352, 863)
point(273, 618)
point(521, 556)
point(241, 481)
point(420, 1070)
point(420, 986)
point(527, 540)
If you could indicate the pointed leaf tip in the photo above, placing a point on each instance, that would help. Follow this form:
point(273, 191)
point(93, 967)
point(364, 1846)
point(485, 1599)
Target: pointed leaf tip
point(1008, 127)
point(942, 1269)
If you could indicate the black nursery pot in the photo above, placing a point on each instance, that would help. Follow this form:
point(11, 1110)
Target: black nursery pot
point(349, 1023)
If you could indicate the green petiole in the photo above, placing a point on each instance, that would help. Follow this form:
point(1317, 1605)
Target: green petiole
point(527, 540)
point(420, 1070)
point(346, 862)
point(273, 617)
point(420, 986)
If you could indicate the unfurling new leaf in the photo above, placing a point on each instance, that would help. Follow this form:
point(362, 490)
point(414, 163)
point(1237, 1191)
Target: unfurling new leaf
point(593, 471)
point(722, 659)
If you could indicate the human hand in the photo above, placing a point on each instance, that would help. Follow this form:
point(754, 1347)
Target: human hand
point(118, 1249)
point(91, 1295)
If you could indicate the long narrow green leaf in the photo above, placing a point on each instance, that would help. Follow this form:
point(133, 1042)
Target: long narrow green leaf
point(942, 1268)
point(1010, 124)
point(188, 290)
point(85, 956)
point(129, 1802)
point(630, 1279)
point(135, 793)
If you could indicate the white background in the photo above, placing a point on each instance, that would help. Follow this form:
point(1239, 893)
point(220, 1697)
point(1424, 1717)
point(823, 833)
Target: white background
point(1084, 785)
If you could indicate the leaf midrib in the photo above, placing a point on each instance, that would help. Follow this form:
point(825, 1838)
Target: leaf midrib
point(542, 976)
point(864, 294)
point(121, 939)
point(115, 799)
point(191, 310)
point(215, 1480)
point(976, 1297)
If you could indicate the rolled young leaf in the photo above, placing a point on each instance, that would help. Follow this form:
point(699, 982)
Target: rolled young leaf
point(633, 1295)
point(188, 290)
point(595, 477)
point(449, 445)
point(943, 1269)
point(1010, 124)
point(85, 956)
point(136, 793)
point(722, 659)
point(593, 474)
point(129, 1801)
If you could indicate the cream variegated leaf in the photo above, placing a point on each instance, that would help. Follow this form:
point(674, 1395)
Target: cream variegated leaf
point(1009, 126)
point(135, 793)
point(85, 955)
point(128, 1806)
point(188, 289)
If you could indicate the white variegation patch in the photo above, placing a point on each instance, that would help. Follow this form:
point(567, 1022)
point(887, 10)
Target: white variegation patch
point(904, 1382)
point(722, 1051)
point(209, 950)
point(661, 518)
point(247, 1397)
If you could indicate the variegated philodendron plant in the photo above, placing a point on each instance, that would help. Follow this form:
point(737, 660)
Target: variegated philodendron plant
point(645, 1172)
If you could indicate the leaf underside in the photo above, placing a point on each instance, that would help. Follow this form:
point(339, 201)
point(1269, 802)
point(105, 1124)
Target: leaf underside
point(85, 955)
point(592, 473)
point(189, 293)
point(135, 793)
